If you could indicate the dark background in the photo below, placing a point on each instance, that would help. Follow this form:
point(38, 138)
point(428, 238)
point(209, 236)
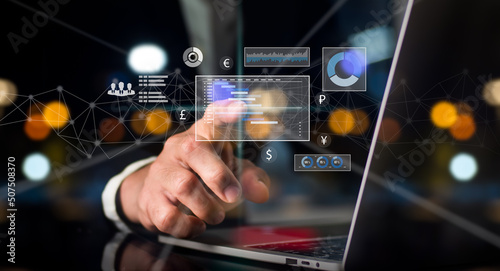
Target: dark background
point(60, 221)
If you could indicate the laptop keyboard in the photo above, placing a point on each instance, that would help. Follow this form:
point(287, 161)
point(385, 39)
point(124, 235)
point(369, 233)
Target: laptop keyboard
point(331, 248)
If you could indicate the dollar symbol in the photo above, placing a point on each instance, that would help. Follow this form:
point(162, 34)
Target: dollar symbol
point(269, 155)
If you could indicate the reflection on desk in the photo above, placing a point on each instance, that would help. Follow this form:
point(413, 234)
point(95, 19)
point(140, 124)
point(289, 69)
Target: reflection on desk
point(133, 252)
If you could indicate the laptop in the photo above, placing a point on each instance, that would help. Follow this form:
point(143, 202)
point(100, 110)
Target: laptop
point(414, 208)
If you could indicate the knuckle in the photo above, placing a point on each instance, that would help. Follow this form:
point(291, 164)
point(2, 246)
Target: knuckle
point(189, 144)
point(217, 175)
point(201, 201)
point(172, 140)
point(186, 183)
point(166, 222)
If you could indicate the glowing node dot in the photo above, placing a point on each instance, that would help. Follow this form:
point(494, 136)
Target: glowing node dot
point(36, 167)
point(463, 167)
point(444, 114)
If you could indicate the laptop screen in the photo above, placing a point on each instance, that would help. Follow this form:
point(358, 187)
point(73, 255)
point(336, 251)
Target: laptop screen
point(341, 118)
point(432, 192)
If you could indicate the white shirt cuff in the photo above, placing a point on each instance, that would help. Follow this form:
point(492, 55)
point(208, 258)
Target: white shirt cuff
point(109, 194)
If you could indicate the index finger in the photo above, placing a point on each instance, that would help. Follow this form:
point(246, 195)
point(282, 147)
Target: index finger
point(217, 116)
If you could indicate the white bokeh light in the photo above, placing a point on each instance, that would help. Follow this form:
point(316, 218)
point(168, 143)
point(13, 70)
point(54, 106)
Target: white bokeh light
point(147, 58)
point(463, 167)
point(36, 167)
point(8, 92)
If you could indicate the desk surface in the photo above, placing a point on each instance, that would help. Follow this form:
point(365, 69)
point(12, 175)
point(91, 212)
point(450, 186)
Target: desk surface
point(49, 242)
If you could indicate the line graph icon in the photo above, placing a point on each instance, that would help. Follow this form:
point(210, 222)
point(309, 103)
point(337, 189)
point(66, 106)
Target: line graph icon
point(277, 56)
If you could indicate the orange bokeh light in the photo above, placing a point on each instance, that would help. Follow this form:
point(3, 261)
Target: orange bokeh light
point(36, 128)
point(444, 114)
point(341, 121)
point(464, 128)
point(158, 121)
point(390, 130)
point(111, 130)
point(56, 114)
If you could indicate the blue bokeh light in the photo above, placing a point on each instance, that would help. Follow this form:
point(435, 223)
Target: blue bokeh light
point(36, 167)
point(463, 167)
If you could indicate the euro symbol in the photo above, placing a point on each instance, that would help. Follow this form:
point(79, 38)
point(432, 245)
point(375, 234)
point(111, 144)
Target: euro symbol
point(226, 63)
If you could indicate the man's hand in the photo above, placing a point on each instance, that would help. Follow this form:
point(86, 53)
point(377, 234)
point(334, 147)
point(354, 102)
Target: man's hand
point(152, 195)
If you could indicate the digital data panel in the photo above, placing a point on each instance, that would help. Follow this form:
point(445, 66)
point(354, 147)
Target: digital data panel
point(273, 108)
point(277, 57)
point(322, 162)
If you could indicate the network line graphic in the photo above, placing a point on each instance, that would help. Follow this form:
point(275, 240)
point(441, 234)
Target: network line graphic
point(408, 115)
point(97, 127)
point(108, 121)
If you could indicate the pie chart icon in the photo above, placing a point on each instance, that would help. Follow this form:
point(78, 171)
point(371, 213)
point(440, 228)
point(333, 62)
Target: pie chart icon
point(192, 57)
point(344, 69)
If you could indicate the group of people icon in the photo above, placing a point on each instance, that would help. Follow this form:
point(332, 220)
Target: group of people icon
point(121, 91)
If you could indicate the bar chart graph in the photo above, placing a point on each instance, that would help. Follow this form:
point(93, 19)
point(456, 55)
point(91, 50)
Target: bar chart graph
point(276, 108)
